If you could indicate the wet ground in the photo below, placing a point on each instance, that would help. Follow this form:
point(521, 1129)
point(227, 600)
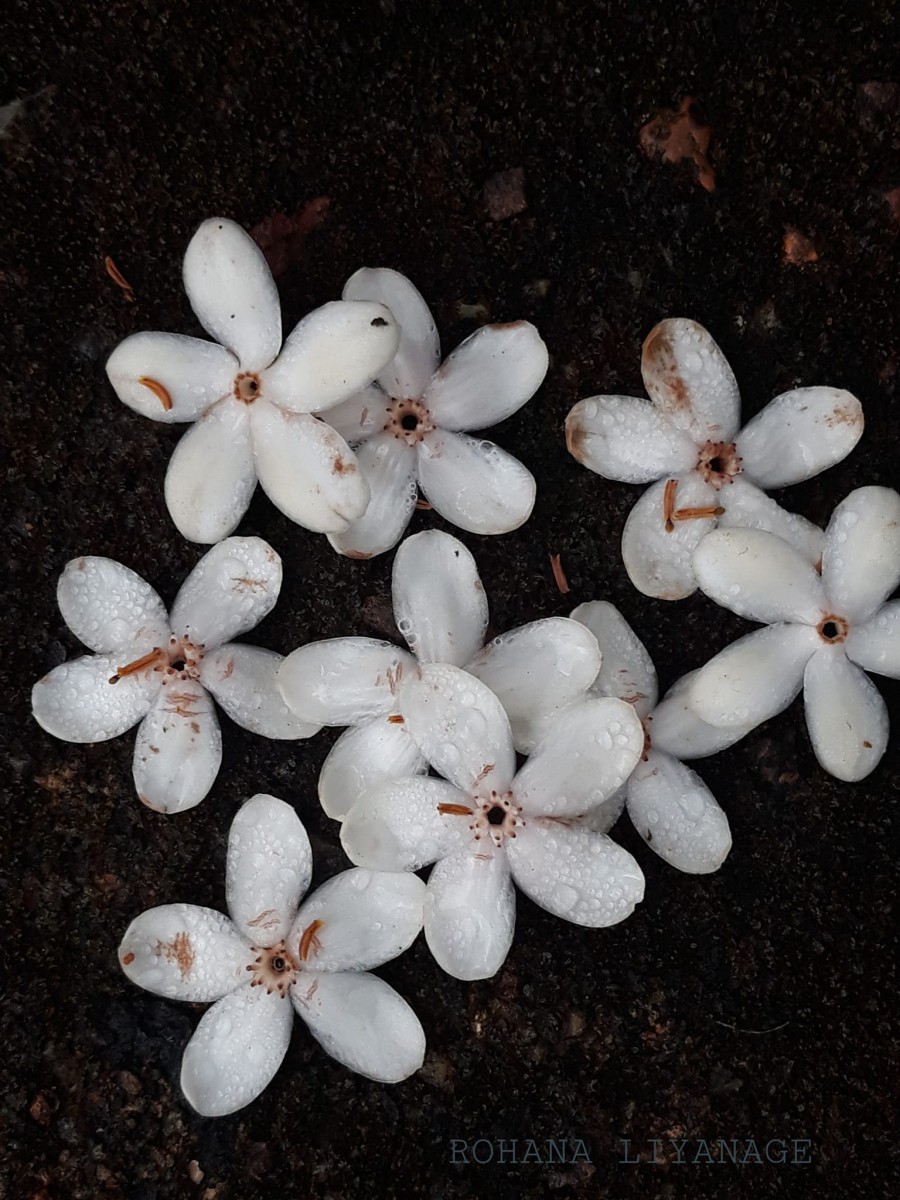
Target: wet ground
point(759, 1003)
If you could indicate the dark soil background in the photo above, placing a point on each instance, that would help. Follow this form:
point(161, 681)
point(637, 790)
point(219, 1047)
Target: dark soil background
point(757, 1003)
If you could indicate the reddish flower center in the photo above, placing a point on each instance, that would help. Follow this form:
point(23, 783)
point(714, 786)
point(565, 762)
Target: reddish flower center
point(408, 420)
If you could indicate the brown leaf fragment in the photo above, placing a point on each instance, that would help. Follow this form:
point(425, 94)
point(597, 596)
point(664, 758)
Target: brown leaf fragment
point(119, 279)
point(681, 135)
point(504, 194)
point(798, 249)
point(282, 238)
point(559, 574)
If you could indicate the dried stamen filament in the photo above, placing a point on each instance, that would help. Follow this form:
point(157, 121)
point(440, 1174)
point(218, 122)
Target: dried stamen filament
point(669, 504)
point(139, 664)
point(695, 514)
point(309, 940)
point(158, 391)
point(455, 810)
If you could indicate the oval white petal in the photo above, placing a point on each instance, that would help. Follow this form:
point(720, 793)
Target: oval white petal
point(439, 602)
point(875, 646)
point(364, 757)
point(688, 378)
point(746, 507)
point(408, 373)
point(184, 952)
point(676, 729)
point(389, 468)
point(659, 562)
point(77, 702)
point(799, 434)
point(626, 670)
point(399, 826)
point(677, 815)
point(243, 680)
point(623, 438)
point(268, 869)
point(470, 912)
point(861, 563)
point(178, 749)
point(474, 484)
point(110, 608)
point(361, 416)
point(230, 590)
point(193, 375)
point(344, 681)
point(759, 576)
point(846, 715)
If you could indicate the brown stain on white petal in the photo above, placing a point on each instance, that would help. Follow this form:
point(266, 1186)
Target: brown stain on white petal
point(179, 951)
point(849, 412)
point(658, 359)
point(360, 555)
point(341, 467)
point(576, 435)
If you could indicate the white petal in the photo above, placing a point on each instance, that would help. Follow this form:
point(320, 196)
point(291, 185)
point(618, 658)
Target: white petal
point(236, 1050)
point(110, 608)
point(184, 952)
point(602, 817)
point(581, 876)
point(244, 682)
point(470, 912)
point(676, 729)
point(659, 561)
point(211, 476)
point(799, 434)
point(366, 918)
point(861, 563)
point(408, 373)
point(231, 589)
point(688, 378)
point(875, 646)
point(232, 291)
point(307, 469)
point(588, 753)
point(362, 1022)
point(332, 353)
point(754, 678)
point(361, 759)
point(488, 377)
point(846, 716)
point(439, 602)
point(473, 484)
point(460, 727)
point(759, 576)
point(536, 671)
point(77, 702)
point(268, 869)
point(746, 507)
point(168, 377)
point(361, 416)
point(677, 815)
point(626, 670)
point(344, 681)
point(399, 826)
point(389, 468)
point(178, 749)
point(627, 439)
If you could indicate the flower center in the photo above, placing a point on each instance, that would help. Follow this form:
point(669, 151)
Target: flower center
point(274, 969)
point(408, 420)
point(833, 629)
point(719, 462)
point(179, 660)
point(497, 817)
point(247, 387)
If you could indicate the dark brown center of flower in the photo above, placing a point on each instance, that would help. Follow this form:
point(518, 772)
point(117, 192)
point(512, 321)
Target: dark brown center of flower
point(833, 629)
point(408, 420)
point(273, 968)
point(247, 387)
point(718, 463)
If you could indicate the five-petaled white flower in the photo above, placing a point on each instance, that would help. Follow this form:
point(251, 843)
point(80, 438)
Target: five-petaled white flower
point(686, 437)
point(270, 960)
point(442, 611)
point(159, 670)
point(485, 825)
point(253, 399)
point(407, 427)
point(823, 633)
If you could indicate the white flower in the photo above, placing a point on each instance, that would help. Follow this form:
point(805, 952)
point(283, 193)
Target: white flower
point(485, 825)
point(407, 428)
point(687, 439)
point(823, 632)
point(253, 399)
point(160, 669)
point(270, 960)
point(442, 611)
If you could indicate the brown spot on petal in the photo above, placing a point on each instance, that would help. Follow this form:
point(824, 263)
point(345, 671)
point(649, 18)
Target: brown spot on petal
point(339, 467)
point(179, 951)
point(128, 960)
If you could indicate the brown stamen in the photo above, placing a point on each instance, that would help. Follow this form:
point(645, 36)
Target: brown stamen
point(695, 514)
point(669, 504)
point(158, 391)
point(455, 810)
point(309, 940)
point(395, 719)
point(118, 278)
point(139, 664)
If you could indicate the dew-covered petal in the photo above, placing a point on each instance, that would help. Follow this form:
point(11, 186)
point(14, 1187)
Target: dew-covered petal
point(169, 377)
point(754, 678)
point(409, 372)
point(846, 715)
point(363, 919)
point(344, 681)
point(659, 560)
point(362, 1022)
point(235, 1051)
point(588, 752)
point(861, 563)
point(746, 507)
point(488, 377)
point(388, 466)
point(360, 416)
point(799, 434)
point(474, 484)
point(574, 873)
point(623, 438)
point(268, 869)
point(626, 669)
point(307, 469)
point(875, 646)
point(211, 477)
point(677, 815)
point(232, 291)
point(759, 576)
point(332, 353)
point(230, 590)
point(439, 602)
point(364, 757)
point(676, 729)
point(460, 726)
point(184, 952)
point(110, 608)
point(689, 380)
point(243, 680)
point(470, 912)
point(602, 817)
point(76, 701)
point(400, 826)
point(178, 749)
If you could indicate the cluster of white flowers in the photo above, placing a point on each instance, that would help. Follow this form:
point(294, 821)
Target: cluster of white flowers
point(341, 425)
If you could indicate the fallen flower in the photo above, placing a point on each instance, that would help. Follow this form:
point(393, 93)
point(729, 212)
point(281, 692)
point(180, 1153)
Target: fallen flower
point(159, 670)
point(274, 957)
